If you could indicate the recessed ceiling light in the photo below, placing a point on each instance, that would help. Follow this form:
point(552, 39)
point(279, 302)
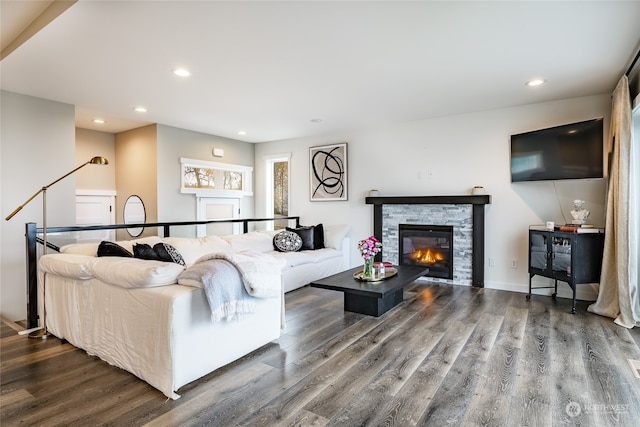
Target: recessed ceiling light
point(241, 132)
point(535, 82)
point(99, 121)
point(181, 72)
point(140, 109)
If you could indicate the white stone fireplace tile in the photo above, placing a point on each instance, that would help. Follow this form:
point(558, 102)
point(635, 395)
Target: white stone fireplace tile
point(459, 216)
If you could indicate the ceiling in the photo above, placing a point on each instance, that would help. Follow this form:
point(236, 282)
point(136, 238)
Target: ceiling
point(280, 70)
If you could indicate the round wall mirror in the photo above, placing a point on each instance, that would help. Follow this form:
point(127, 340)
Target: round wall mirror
point(134, 213)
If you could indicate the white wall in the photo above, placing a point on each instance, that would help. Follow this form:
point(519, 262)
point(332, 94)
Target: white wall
point(452, 154)
point(38, 146)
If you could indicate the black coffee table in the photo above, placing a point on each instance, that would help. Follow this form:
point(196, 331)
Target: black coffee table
point(371, 298)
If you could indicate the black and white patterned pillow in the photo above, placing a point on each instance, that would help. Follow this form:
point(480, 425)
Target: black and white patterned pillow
point(287, 241)
point(168, 253)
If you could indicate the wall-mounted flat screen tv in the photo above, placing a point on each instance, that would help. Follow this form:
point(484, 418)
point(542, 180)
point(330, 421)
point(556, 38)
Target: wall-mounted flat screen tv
point(572, 151)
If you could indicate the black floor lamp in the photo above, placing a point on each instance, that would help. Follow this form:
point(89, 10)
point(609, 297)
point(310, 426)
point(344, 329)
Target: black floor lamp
point(41, 331)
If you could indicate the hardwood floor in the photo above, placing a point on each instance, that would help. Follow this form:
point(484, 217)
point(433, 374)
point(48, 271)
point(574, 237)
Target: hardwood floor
point(448, 355)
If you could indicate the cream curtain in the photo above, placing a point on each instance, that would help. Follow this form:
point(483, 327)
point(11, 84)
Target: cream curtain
point(618, 296)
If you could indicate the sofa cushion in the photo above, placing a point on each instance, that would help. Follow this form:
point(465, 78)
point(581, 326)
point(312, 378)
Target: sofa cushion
point(287, 241)
point(168, 253)
point(334, 235)
point(73, 266)
point(112, 249)
point(144, 251)
point(192, 248)
point(128, 244)
point(306, 234)
point(257, 241)
point(134, 272)
point(159, 252)
point(318, 236)
point(294, 259)
point(89, 249)
point(312, 236)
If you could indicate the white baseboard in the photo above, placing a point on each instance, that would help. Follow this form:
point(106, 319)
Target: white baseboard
point(584, 292)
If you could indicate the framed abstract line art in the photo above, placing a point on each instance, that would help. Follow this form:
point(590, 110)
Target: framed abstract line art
point(328, 172)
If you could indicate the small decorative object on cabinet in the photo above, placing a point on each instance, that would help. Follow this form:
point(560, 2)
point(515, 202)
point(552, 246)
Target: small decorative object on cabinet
point(579, 213)
point(570, 257)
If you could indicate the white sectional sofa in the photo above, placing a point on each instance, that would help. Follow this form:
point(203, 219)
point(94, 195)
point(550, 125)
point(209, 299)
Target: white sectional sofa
point(298, 268)
point(133, 314)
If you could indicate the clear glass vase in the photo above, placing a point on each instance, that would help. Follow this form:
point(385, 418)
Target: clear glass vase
point(367, 272)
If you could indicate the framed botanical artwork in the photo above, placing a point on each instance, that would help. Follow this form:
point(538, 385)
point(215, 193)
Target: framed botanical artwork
point(328, 172)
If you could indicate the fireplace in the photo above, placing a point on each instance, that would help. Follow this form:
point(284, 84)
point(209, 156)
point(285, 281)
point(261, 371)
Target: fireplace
point(428, 246)
point(465, 213)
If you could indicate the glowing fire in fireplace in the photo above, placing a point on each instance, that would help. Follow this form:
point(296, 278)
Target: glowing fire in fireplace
point(427, 256)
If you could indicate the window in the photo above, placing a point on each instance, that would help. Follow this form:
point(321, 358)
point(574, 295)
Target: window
point(195, 177)
point(281, 188)
point(277, 191)
point(210, 179)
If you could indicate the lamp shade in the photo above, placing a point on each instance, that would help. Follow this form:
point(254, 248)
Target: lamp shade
point(99, 160)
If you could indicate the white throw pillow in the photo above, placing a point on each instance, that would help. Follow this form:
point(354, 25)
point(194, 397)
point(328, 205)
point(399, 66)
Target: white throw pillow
point(90, 249)
point(257, 241)
point(334, 235)
point(192, 248)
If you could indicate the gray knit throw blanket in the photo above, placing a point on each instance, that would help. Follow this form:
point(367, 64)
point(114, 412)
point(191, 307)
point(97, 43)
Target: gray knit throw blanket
point(225, 291)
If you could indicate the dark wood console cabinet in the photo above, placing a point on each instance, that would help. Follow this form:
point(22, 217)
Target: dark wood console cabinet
point(573, 258)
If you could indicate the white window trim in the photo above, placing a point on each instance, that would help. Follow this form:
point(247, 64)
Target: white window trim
point(247, 179)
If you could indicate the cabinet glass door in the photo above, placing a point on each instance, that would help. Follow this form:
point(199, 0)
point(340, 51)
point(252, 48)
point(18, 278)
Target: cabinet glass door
point(561, 255)
point(538, 251)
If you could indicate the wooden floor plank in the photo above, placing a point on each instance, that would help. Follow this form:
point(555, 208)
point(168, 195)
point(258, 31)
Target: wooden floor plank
point(530, 404)
point(226, 391)
point(311, 384)
point(613, 390)
point(567, 370)
point(498, 376)
point(453, 397)
point(19, 396)
point(389, 380)
point(351, 383)
point(413, 399)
